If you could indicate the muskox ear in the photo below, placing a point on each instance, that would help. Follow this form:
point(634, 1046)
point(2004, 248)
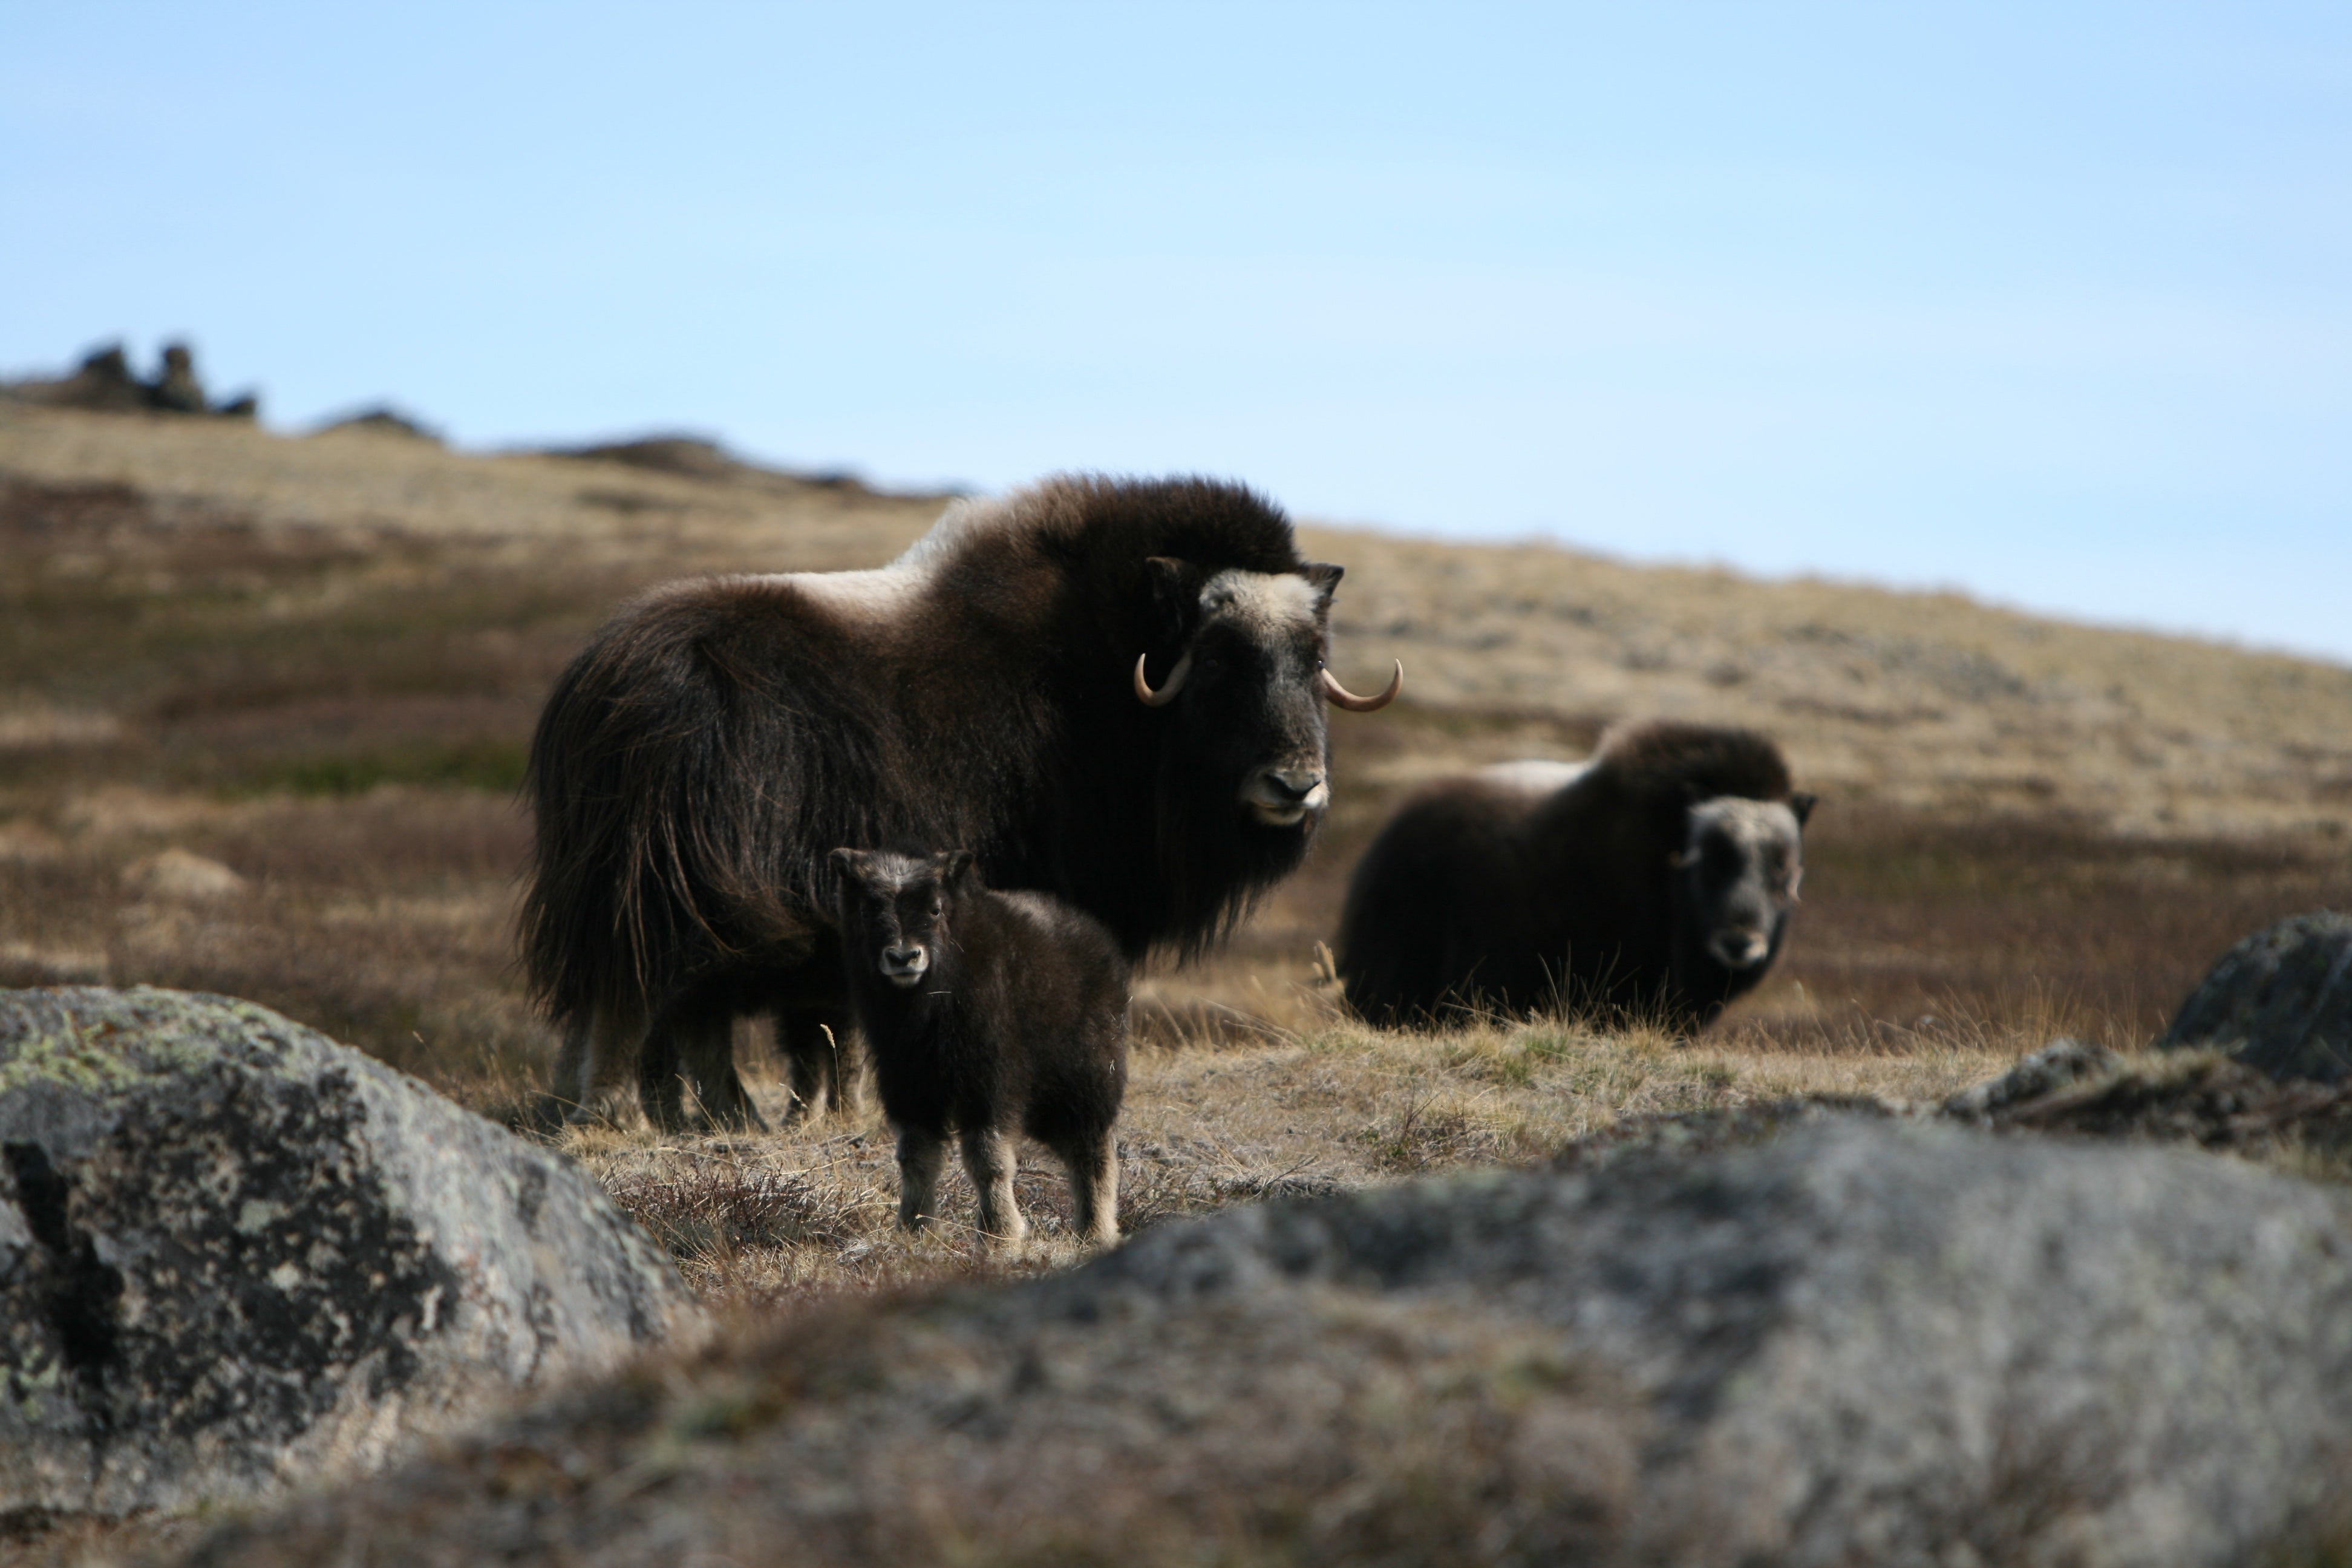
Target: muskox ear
point(1803, 804)
point(954, 869)
point(849, 865)
point(1175, 594)
point(1325, 576)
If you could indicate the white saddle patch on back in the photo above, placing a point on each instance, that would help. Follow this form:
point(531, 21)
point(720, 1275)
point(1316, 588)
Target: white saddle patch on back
point(892, 591)
point(1536, 776)
point(1267, 605)
point(882, 591)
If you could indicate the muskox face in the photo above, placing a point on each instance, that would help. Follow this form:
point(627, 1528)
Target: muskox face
point(1739, 869)
point(1245, 695)
point(896, 911)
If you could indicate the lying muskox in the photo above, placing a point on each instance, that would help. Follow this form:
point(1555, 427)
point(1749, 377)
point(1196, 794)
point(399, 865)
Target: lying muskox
point(988, 1013)
point(1653, 882)
point(994, 688)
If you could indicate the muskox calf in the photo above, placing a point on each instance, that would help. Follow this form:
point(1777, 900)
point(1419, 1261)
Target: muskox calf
point(986, 1014)
point(1653, 882)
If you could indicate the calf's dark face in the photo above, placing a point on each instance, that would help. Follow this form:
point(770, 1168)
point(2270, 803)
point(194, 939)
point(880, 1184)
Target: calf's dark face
point(896, 911)
point(1738, 871)
point(1244, 698)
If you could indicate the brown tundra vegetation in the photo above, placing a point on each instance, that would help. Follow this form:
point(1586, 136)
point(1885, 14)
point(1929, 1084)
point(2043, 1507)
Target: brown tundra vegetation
point(264, 701)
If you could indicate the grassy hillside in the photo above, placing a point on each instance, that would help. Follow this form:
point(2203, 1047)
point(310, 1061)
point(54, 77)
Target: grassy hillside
point(315, 661)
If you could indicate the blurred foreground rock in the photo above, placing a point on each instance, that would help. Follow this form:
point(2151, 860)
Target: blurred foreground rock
point(2280, 1001)
point(1875, 1342)
point(236, 1255)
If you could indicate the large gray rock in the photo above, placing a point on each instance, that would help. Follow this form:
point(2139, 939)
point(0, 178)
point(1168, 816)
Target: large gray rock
point(237, 1255)
point(2280, 1001)
point(1862, 1342)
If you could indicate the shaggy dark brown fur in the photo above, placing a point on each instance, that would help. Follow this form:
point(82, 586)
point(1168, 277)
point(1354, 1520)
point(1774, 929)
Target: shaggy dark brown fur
point(989, 1013)
point(1598, 899)
point(695, 764)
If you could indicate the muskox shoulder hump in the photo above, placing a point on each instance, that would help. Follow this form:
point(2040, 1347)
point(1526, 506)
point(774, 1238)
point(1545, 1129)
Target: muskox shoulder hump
point(1212, 523)
point(1654, 756)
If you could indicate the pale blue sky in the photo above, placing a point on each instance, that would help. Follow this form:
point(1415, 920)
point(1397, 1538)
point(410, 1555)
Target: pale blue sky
point(2052, 303)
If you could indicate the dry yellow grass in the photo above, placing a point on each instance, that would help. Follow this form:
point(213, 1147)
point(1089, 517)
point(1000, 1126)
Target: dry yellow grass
point(760, 1221)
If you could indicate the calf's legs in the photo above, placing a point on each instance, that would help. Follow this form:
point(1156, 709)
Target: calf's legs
point(1094, 1185)
point(988, 1159)
point(922, 1156)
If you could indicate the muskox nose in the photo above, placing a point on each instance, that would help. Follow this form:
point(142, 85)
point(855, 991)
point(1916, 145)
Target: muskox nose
point(1283, 796)
point(905, 964)
point(1740, 949)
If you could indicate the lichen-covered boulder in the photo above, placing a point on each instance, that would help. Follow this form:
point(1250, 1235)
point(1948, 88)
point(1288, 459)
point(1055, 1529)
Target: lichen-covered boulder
point(236, 1255)
point(2280, 1001)
point(1863, 1341)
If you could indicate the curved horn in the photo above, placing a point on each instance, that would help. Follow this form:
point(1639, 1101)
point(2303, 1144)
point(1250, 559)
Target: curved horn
point(1166, 694)
point(1346, 699)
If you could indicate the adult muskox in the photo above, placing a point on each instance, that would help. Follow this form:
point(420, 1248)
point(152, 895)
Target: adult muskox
point(991, 689)
point(1652, 882)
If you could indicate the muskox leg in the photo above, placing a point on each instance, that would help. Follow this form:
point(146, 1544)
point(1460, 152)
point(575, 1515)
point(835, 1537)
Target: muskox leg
point(821, 1062)
point(592, 1070)
point(694, 1044)
point(710, 1050)
point(922, 1156)
point(575, 1067)
point(1094, 1185)
point(659, 1089)
point(988, 1159)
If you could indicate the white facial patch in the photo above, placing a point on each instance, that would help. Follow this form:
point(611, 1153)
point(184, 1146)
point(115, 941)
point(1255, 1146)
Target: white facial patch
point(1535, 775)
point(1269, 605)
point(1757, 826)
